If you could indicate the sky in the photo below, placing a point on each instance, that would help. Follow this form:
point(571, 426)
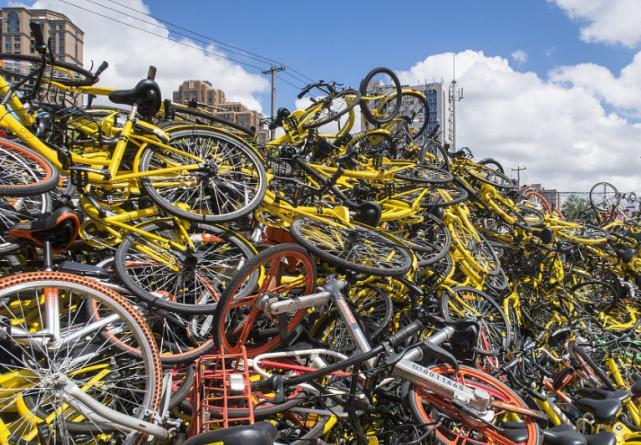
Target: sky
point(554, 85)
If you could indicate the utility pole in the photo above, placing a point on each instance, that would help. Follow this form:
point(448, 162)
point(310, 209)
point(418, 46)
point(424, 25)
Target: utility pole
point(273, 70)
point(518, 171)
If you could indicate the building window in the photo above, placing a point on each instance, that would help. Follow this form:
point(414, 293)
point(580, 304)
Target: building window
point(13, 22)
point(16, 46)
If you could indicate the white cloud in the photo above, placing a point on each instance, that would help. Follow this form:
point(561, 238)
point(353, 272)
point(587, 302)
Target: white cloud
point(561, 132)
point(622, 91)
point(608, 21)
point(130, 52)
point(519, 57)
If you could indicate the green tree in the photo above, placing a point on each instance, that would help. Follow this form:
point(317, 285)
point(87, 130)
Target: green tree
point(575, 207)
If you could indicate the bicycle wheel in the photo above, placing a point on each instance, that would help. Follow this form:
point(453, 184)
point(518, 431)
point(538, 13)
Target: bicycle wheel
point(444, 196)
point(494, 333)
point(490, 176)
point(604, 197)
point(187, 281)
point(23, 172)
point(329, 109)
point(414, 110)
point(475, 248)
point(17, 66)
point(289, 271)
point(429, 240)
point(357, 248)
point(228, 183)
point(374, 88)
point(453, 425)
point(425, 174)
point(122, 372)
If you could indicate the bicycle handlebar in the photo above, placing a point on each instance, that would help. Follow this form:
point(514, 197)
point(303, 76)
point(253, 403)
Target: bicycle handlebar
point(103, 66)
point(331, 86)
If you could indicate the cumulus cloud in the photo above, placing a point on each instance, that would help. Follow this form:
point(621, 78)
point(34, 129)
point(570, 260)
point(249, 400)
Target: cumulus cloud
point(607, 21)
point(622, 91)
point(560, 131)
point(130, 51)
point(519, 57)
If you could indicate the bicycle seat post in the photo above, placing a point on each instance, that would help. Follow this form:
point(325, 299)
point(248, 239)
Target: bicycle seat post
point(47, 256)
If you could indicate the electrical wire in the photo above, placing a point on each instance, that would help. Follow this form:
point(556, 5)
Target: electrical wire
point(230, 48)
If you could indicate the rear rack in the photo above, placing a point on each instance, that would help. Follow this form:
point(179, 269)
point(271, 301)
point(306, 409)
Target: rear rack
point(221, 395)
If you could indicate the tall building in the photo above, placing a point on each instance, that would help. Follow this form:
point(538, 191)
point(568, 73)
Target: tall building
point(65, 38)
point(200, 91)
point(437, 101)
point(203, 92)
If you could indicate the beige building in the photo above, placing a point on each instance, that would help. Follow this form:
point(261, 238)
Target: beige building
point(203, 92)
point(67, 40)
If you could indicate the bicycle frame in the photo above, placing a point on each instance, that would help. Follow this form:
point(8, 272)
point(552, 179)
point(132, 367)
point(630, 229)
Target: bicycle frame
point(407, 367)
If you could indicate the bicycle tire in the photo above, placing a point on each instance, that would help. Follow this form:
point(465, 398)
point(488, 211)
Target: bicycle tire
point(212, 240)
point(20, 286)
point(342, 251)
point(283, 261)
point(364, 90)
point(502, 330)
point(34, 173)
point(212, 196)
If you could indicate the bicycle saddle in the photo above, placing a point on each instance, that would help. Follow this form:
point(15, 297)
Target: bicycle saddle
point(146, 94)
point(598, 393)
point(604, 410)
point(563, 435)
point(262, 433)
point(60, 227)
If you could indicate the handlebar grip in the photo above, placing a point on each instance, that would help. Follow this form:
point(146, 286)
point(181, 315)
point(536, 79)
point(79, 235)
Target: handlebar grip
point(103, 66)
point(151, 73)
point(405, 332)
point(36, 29)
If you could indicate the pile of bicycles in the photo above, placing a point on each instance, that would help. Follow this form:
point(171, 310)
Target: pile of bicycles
point(166, 279)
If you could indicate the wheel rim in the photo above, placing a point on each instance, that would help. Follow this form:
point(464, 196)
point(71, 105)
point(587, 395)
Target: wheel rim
point(242, 322)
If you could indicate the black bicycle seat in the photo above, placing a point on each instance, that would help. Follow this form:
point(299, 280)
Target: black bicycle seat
point(146, 94)
point(599, 394)
point(60, 227)
point(262, 433)
point(563, 435)
point(602, 438)
point(604, 410)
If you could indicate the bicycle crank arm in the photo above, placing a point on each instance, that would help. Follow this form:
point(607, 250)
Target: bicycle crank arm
point(100, 413)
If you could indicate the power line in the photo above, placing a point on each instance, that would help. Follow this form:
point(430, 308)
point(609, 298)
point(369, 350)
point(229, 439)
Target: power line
point(234, 49)
point(246, 64)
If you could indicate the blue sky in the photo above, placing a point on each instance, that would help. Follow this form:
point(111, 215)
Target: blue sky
point(342, 40)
